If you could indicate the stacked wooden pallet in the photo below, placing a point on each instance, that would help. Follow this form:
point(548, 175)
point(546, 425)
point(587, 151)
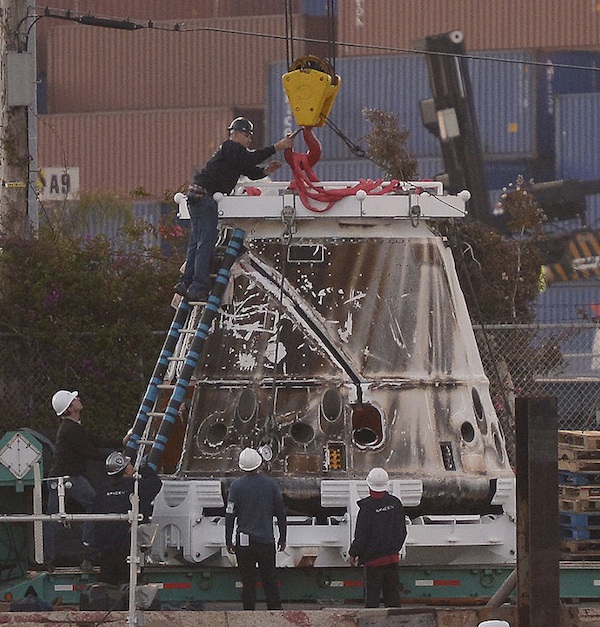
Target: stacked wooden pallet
point(579, 494)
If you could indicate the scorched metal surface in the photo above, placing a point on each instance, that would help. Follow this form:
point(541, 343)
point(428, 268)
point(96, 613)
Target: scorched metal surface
point(346, 347)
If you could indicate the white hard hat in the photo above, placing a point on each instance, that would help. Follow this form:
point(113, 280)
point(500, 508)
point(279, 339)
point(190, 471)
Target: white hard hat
point(494, 623)
point(249, 460)
point(116, 462)
point(61, 401)
point(378, 480)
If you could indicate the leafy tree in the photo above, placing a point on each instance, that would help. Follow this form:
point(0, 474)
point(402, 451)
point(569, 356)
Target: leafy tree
point(499, 272)
point(386, 145)
point(85, 312)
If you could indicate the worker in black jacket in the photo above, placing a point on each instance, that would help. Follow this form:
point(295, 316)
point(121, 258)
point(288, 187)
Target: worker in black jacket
point(112, 538)
point(73, 448)
point(378, 539)
point(220, 174)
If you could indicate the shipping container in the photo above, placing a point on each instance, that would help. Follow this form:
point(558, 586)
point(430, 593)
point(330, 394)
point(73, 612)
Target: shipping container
point(217, 62)
point(339, 170)
point(120, 152)
point(559, 73)
point(393, 84)
point(153, 10)
point(571, 301)
point(503, 95)
point(593, 211)
point(577, 136)
point(367, 27)
point(513, 95)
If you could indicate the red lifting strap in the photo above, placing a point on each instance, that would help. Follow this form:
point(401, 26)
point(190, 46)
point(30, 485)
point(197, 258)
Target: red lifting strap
point(306, 181)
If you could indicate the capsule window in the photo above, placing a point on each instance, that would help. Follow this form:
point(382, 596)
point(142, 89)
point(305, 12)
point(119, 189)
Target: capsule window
point(479, 411)
point(216, 433)
point(497, 438)
point(247, 405)
point(331, 405)
point(302, 433)
point(367, 425)
point(467, 432)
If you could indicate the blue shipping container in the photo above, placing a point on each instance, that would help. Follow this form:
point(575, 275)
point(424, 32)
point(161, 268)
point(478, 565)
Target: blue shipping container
point(394, 84)
point(577, 136)
point(513, 92)
point(503, 95)
point(559, 73)
point(568, 302)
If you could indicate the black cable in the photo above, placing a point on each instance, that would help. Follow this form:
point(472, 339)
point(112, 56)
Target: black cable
point(331, 36)
point(289, 33)
point(178, 27)
point(354, 148)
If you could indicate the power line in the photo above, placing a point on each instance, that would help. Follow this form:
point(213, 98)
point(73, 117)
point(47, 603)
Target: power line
point(180, 27)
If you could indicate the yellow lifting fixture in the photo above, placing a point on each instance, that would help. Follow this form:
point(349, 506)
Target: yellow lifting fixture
point(311, 88)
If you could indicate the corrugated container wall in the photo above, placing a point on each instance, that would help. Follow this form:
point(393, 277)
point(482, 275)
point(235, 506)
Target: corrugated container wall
point(99, 69)
point(122, 151)
point(155, 10)
point(513, 94)
point(578, 136)
point(566, 302)
point(339, 170)
point(367, 27)
point(503, 93)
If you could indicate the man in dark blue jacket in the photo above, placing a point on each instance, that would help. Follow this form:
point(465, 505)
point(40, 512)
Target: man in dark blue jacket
point(378, 539)
point(254, 500)
point(112, 538)
point(232, 159)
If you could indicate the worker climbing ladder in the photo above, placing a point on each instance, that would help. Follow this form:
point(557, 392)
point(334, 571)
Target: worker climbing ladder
point(189, 319)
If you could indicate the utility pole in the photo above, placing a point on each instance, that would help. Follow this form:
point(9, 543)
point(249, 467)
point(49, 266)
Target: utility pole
point(18, 147)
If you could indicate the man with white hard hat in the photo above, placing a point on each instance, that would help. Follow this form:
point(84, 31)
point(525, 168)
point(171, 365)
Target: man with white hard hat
point(113, 538)
point(254, 499)
point(73, 449)
point(378, 538)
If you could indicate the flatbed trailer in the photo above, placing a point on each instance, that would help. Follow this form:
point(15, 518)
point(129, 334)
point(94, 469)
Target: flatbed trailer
point(191, 586)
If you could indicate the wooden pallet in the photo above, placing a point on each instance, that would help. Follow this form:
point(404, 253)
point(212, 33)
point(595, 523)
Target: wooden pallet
point(579, 505)
point(580, 549)
point(588, 440)
point(579, 465)
point(585, 492)
point(566, 477)
point(572, 453)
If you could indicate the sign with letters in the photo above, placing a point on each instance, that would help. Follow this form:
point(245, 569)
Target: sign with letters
point(58, 183)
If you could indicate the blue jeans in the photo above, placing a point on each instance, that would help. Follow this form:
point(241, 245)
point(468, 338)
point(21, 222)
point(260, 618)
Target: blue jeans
point(83, 493)
point(201, 245)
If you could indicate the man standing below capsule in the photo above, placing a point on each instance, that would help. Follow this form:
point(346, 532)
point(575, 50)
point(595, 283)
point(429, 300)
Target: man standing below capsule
point(74, 448)
point(378, 539)
point(254, 500)
point(232, 159)
point(113, 538)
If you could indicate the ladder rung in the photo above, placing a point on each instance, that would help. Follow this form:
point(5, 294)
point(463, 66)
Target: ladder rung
point(188, 330)
point(166, 386)
point(155, 413)
point(177, 358)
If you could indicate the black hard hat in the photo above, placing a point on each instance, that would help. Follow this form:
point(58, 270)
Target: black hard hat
point(241, 124)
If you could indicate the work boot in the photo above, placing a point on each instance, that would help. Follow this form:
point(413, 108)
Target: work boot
point(181, 288)
point(194, 295)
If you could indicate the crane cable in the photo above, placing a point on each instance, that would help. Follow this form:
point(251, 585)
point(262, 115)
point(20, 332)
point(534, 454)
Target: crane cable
point(289, 33)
